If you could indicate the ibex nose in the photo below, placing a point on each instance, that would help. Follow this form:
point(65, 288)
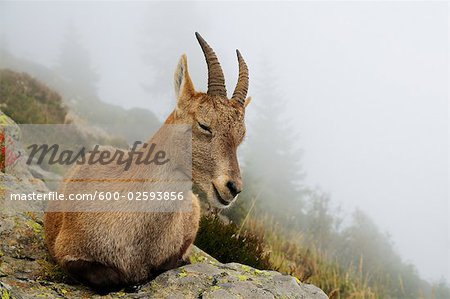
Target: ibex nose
point(234, 188)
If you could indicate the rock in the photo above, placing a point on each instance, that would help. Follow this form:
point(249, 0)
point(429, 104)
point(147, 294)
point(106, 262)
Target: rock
point(16, 177)
point(26, 270)
point(217, 280)
point(50, 179)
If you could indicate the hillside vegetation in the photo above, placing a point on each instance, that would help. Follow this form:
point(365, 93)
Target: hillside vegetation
point(135, 123)
point(26, 100)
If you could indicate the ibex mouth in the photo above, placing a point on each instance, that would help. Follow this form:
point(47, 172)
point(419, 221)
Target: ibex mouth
point(219, 198)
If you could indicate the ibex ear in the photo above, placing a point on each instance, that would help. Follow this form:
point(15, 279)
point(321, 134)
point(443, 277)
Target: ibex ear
point(182, 81)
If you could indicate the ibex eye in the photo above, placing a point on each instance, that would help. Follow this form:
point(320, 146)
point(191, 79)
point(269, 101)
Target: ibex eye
point(205, 128)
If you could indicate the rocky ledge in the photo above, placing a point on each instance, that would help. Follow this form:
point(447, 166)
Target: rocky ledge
point(27, 272)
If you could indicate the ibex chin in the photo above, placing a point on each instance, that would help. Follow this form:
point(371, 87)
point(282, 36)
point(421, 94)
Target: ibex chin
point(110, 250)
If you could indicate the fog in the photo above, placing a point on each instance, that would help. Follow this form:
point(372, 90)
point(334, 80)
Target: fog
point(366, 89)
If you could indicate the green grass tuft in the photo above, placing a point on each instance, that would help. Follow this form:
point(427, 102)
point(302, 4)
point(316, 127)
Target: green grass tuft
point(224, 243)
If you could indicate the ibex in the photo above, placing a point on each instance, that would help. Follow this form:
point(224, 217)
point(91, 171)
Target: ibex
point(111, 250)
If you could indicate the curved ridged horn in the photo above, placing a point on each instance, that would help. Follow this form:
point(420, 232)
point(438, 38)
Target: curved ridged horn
point(216, 79)
point(240, 92)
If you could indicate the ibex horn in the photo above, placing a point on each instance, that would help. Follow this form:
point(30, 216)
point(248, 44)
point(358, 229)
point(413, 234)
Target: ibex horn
point(216, 79)
point(240, 92)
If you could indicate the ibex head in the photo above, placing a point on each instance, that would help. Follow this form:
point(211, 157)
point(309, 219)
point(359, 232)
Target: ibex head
point(217, 127)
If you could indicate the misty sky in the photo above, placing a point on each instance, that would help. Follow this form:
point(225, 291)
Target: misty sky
point(366, 87)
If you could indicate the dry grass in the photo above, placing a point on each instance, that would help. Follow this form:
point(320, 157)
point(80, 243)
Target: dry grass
point(308, 264)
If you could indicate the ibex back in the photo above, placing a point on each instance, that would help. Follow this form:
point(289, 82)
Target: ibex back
point(110, 250)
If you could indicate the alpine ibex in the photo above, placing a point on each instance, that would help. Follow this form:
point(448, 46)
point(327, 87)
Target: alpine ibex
point(109, 250)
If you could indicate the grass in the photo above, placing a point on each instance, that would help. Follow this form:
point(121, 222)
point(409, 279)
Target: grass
point(224, 243)
point(288, 255)
point(262, 244)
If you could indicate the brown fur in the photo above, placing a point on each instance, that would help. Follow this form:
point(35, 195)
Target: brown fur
point(108, 250)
